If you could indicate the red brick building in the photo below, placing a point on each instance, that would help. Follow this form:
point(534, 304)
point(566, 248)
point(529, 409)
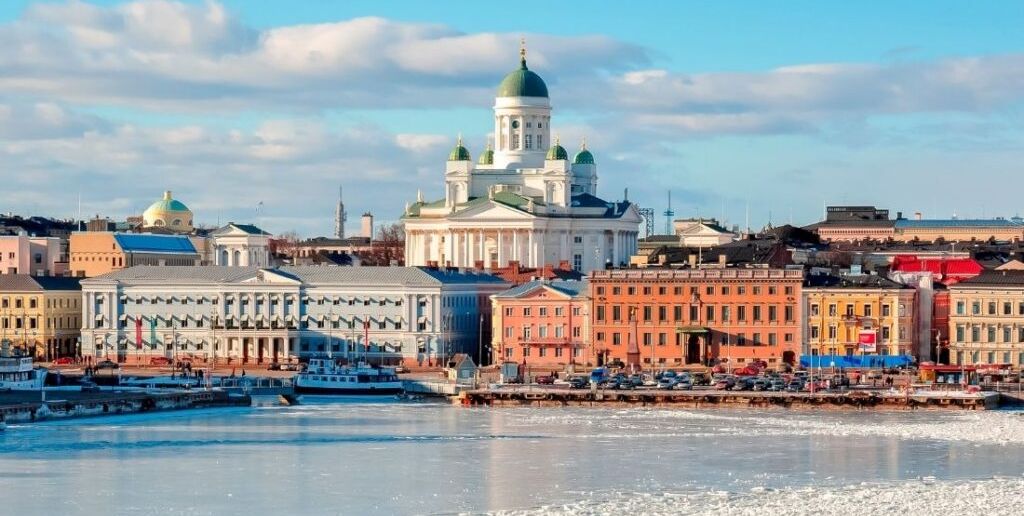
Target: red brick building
point(669, 318)
point(541, 323)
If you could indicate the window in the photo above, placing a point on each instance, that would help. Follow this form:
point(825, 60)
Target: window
point(814, 310)
point(726, 313)
point(508, 311)
point(528, 140)
point(616, 338)
point(709, 311)
point(600, 313)
point(599, 336)
point(975, 333)
point(662, 339)
point(647, 313)
point(757, 313)
point(662, 313)
point(694, 313)
point(577, 240)
point(815, 333)
point(788, 291)
point(773, 313)
point(849, 310)
point(515, 137)
point(832, 310)
point(577, 262)
point(991, 334)
point(616, 313)
point(1007, 308)
point(885, 333)
point(831, 333)
point(647, 338)
point(542, 332)
point(867, 310)
point(542, 311)
point(741, 313)
point(976, 308)
point(991, 308)
point(526, 331)
point(960, 333)
point(886, 310)
point(772, 339)
point(790, 313)
point(559, 311)
point(526, 311)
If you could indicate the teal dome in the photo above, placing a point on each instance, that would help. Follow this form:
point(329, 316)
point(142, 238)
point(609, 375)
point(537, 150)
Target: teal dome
point(583, 157)
point(557, 152)
point(486, 157)
point(459, 153)
point(522, 82)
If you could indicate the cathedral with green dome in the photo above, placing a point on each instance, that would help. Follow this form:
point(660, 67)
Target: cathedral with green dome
point(524, 200)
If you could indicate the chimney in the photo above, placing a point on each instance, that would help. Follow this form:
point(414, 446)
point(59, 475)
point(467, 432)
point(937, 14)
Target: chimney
point(692, 260)
point(722, 259)
point(513, 265)
point(367, 225)
point(917, 215)
point(899, 215)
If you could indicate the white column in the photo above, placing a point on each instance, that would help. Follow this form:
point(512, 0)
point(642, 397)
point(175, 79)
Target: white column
point(500, 241)
point(531, 252)
point(483, 249)
point(615, 248)
point(467, 259)
point(515, 246)
point(567, 248)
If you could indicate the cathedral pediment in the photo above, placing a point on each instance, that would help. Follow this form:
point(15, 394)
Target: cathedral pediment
point(490, 210)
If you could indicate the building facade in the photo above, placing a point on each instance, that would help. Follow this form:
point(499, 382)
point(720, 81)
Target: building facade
point(40, 316)
point(37, 256)
point(859, 314)
point(986, 319)
point(668, 317)
point(524, 200)
point(240, 245)
point(542, 323)
point(97, 253)
point(246, 315)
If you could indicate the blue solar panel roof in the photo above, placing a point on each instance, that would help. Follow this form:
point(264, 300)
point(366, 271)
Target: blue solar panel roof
point(145, 243)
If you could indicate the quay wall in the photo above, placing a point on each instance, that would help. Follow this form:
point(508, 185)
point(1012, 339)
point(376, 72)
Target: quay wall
point(719, 399)
point(114, 404)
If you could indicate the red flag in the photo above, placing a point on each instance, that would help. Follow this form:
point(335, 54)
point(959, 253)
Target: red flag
point(138, 333)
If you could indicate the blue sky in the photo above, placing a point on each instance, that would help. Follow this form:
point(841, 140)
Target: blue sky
point(777, 106)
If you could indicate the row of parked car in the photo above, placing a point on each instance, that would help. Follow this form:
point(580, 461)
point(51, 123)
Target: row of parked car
point(776, 382)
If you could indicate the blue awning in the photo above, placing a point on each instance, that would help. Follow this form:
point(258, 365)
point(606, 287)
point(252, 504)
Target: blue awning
point(855, 361)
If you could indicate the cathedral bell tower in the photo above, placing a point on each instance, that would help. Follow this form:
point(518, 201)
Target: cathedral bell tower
point(522, 118)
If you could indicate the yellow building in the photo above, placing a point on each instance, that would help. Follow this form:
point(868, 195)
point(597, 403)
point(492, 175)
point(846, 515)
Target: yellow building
point(93, 253)
point(41, 316)
point(986, 319)
point(859, 314)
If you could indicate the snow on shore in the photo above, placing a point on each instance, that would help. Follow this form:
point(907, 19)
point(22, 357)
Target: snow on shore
point(996, 496)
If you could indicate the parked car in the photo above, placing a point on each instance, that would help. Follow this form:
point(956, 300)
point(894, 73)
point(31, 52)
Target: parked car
point(666, 383)
point(636, 380)
point(760, 384)
point(795, 385)
point(63, 361)
point(579, 382)
point(743, 384)
point(776, 385)
point(545, 380)
point(725, 383)
point(107, 364)
point(700, 379)
point(683, 384)
point(159, 361)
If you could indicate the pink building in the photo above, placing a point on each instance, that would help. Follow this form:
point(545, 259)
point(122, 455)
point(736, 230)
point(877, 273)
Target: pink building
point(541, 323)
point(35, 256)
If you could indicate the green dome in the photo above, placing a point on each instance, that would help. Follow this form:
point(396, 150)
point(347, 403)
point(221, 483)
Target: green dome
point(584, 157)
point(486, 157)
point(459, 153)
point(557, 152)
point(522, 83)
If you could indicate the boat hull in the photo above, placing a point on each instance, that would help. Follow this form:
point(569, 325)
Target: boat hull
point(361, 391)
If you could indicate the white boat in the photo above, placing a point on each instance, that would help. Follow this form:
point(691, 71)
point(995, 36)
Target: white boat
point(18, 374)
point(324, 376)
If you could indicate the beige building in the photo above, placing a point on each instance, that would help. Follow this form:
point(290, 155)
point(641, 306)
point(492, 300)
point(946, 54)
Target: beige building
point(859, 314)
point(96, 253)
point(41, 316)
point(986, 319)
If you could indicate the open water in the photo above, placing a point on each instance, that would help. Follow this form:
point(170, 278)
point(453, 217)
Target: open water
point(363, 456)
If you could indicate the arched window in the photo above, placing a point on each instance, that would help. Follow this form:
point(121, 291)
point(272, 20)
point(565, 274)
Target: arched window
point(177, 222)
point(237, 258)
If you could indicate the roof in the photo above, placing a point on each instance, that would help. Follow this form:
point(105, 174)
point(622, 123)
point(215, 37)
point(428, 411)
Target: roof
point(570, 288)
point(307, 274)
point(522, 82)
point(942, 267)
point(994, 279)
point(26, 283)
point(557, 152)
point(248, 228)
point(149, 243)
point(852, 281)
point(957, 223)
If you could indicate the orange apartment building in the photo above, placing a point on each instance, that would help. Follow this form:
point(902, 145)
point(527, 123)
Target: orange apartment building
point(541, 323)
point(100, 252)
point(656, 318)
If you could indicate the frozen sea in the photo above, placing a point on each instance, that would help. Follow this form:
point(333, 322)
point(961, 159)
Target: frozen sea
point(363, 456)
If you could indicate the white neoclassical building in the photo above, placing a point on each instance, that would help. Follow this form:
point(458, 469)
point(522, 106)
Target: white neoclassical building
point(245, 315)
point(240, 245)
point(524, 200)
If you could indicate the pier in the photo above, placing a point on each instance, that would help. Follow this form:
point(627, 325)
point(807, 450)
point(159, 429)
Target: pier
point(30, 406)
point(848, 400)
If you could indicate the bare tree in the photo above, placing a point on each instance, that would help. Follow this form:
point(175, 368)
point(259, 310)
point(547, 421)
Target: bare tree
point(285, 245)
point(388, 248)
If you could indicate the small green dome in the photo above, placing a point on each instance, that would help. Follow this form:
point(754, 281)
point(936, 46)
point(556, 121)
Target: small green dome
point(486, 157)
point(583, 157)
point(522, 82)
point(459, 153)
point(557, 152)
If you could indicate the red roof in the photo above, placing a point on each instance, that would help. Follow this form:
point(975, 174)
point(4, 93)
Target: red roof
point(948, 271)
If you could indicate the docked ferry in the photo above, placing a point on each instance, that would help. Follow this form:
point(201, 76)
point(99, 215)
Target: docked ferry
point(324, 376)
point(18, 374)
